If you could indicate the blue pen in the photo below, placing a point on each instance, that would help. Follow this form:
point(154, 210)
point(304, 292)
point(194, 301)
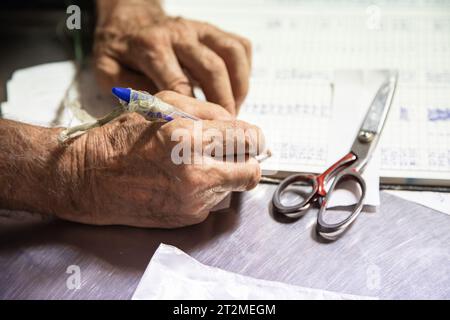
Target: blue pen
point(148, 105)
point(141, 102)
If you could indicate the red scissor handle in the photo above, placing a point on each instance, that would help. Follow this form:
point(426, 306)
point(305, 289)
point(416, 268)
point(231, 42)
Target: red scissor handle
point(331, 171)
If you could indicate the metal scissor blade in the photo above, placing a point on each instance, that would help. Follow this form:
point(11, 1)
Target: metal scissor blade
point(379, 108)
point(373, 123)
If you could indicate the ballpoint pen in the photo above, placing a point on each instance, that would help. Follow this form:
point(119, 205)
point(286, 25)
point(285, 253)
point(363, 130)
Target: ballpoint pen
point(148, 105)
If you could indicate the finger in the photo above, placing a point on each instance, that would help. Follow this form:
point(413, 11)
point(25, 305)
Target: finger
point(232, 138)
point(234, 55)
point(200, 109)
point(203, 28)
point(230, 141)
point(247, 45)
point(159, 63)
point(239, 176)
point(110, 73)
point(210, 71)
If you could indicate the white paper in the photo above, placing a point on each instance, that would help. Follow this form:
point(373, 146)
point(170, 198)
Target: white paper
point(439, 201)
point(172, 274)
point(36, 94)
point(297, 45)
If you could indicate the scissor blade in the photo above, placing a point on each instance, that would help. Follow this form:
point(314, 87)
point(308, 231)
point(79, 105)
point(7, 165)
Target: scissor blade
point(376, 115)
point(367, 139)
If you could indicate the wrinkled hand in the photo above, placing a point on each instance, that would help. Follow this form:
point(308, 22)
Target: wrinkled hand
point(137, 45)
point(126, 174)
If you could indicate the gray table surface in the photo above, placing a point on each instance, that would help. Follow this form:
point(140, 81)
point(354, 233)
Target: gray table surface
point(401, 251)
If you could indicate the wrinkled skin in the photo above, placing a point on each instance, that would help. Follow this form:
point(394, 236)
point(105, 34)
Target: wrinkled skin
point(129, 177)
point(123, 172)
point(137, 45)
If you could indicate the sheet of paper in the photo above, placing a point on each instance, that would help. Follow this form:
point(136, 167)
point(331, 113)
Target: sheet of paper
point(298, 44)
point(36, 94)
point(439, 201)
point(55, 94)
point(172, 274)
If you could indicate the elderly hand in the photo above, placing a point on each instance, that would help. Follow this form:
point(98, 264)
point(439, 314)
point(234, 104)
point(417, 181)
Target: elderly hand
point(136, 42)
point(126, 172)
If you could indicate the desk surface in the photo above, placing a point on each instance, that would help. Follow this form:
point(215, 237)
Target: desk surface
point(401, 251)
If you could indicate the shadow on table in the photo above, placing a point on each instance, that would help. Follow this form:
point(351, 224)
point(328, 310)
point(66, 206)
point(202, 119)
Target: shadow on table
point(122, 246)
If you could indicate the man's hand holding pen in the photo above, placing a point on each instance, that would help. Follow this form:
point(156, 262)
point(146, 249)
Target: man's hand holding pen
point(124, 172)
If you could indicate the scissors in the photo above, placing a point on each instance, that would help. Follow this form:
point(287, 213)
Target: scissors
point(349, 167)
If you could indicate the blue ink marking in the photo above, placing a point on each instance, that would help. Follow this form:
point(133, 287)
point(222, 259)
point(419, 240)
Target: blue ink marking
point(438, 114)
point(158, 115)
point(404, 114)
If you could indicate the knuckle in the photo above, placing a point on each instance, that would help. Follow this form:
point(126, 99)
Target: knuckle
point(207, 26)
point(183, 122)
point(214, 64)
point(187, 45)
point(155, 55)
point(179, 19)
point(181, 22)
point(246, 42)
point(153, 38)
point(228, 104)
point(175, 131)
point(220, 113)
point(202, 26)
point(180, 84)
point(239, 124)
point(233, 45)
point(131, 117)
point(166, 95)
point(232, 124)
point(182, 31)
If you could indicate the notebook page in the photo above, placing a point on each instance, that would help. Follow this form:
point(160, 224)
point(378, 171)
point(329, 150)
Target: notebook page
point(297, 46)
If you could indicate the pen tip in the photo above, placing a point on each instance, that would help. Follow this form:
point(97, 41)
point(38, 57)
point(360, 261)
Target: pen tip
point(122, 93)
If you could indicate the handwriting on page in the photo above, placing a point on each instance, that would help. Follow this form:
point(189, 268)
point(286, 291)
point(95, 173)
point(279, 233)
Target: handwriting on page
point(290, 111)
point(297, 44)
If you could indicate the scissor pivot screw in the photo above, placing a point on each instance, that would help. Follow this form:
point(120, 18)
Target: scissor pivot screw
point(366, 136)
